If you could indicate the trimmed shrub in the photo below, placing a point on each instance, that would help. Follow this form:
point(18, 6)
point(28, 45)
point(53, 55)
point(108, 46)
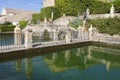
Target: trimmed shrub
point(71, 7)
point(106, 25)
point(5, 28)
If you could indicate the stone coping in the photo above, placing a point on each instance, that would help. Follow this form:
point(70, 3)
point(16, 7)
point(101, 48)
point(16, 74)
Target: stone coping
point(13, 55)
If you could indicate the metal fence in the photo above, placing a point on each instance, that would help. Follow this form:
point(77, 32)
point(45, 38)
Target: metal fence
point(7, 42)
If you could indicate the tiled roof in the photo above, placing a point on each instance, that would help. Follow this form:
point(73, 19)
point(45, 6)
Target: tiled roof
point(17, 11)
point(19, 15)
point(16, 18)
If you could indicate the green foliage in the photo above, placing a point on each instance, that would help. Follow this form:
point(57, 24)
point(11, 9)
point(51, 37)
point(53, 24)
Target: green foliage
point(106, 25)
point(7, 23)
point(71, 7)
point(5, 28)
point(117, 6)
point(75, 23)
point(36, 17)
point(23, 24)
point(46, 35)
point(46, 12)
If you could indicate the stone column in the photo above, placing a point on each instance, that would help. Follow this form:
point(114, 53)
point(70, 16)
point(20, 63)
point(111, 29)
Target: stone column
point(112, 11)
point(90, 32)
point(54, 36)
point(28, 38)
point(45, 22)
point(67, 37)
point(17, 35)
point(79, 33)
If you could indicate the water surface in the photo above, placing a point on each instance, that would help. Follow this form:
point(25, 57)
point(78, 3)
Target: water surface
point(85, 63)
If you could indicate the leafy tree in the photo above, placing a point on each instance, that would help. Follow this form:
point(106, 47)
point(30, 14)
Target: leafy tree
point(23, 24)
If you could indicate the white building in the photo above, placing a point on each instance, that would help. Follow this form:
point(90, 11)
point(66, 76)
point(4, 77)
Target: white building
point(47, 3)
point(15, 15)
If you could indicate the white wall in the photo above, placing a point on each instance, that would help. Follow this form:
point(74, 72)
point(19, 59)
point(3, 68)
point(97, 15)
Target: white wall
point(47, 3)
point(15, 23)
point(3, 12)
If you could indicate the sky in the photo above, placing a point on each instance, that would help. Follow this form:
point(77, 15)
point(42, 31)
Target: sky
point(22, 4)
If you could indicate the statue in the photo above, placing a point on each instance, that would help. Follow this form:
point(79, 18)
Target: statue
point(112, 11)
point(87, 12)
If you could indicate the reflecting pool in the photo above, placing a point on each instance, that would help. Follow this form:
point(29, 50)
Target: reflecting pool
point(85, 63)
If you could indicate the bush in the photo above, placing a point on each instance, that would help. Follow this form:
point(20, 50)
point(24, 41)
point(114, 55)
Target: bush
point(117, 6)
point(75, 23)
point(5, 28)
point(23, 24)
point(106, 25)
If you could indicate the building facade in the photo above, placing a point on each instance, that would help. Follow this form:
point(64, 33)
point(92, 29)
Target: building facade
point(47, 3)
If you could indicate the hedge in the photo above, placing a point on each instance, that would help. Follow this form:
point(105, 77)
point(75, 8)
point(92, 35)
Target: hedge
point(36, 17)
point(46, 12)
point(71, 7)
point(106, 25)
point(5, 28)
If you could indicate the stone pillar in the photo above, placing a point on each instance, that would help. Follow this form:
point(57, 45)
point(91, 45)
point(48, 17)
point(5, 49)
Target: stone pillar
point(54, 36)
point(67, 37)
point(28, 38)
point(90, 32)
point(45, 22)
point(17, 35)
point(112, 11)
point(84, 22)
point(80, 33)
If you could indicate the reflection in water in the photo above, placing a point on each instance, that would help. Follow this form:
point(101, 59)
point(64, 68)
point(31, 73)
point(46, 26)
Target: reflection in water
point(82, 59)
point(18, 65)
point(67, 55)
point(28, 67)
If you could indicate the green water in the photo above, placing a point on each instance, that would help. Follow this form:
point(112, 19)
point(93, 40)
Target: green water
point(85, 63)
